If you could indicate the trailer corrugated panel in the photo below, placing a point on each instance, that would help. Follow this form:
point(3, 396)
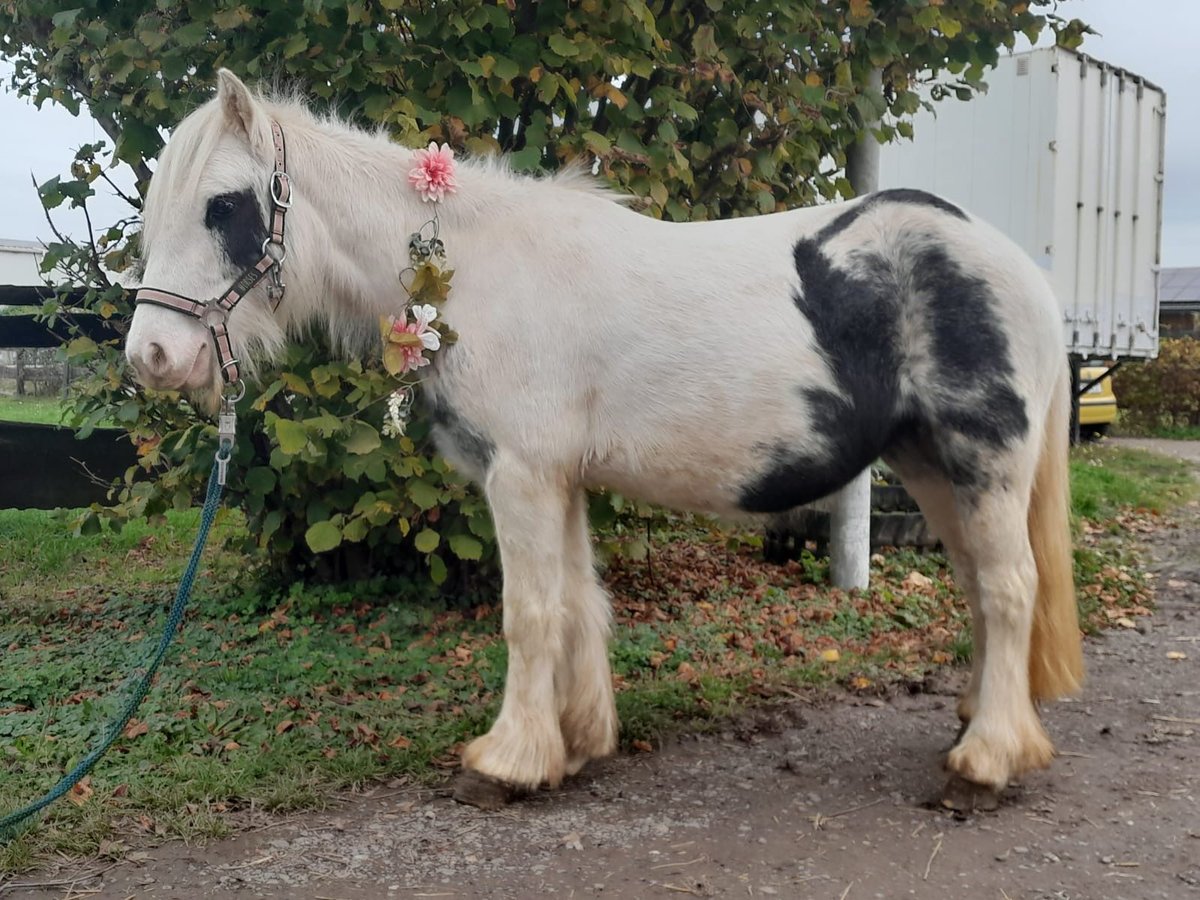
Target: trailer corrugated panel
point(1065, 155)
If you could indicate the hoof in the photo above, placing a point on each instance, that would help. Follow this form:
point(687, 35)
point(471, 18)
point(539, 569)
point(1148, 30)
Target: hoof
point(963, 725)
point(476, 789)
point(964, 796)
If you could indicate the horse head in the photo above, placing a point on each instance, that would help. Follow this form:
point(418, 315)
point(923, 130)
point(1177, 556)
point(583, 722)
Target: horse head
point(210, 228)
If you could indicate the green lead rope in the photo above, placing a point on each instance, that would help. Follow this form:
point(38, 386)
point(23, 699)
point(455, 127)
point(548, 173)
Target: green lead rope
point(9, 824)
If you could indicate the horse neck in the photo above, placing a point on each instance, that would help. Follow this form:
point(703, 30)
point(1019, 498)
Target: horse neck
point(361, 211)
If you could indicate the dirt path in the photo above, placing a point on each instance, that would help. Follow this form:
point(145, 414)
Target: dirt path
point(825, 797)
point(1186, 450)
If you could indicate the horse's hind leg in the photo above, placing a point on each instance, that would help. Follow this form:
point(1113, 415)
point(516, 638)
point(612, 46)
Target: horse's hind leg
point(587, 708)
point(1004, 738)
point(524, 748)
point(934, 494)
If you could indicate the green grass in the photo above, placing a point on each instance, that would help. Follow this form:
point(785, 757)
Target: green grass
point(276, 701)
point(1105, 479)
point(38, 410)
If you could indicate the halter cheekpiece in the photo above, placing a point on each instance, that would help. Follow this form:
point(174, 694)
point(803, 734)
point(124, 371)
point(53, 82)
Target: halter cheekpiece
point(214, 313)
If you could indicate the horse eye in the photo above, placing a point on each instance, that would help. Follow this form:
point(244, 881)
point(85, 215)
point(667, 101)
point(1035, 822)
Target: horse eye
point(220, 208)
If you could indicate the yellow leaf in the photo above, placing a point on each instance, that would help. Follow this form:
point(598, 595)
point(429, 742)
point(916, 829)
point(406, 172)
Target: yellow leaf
point(618, 99)
point(813, 79)
point(393, 359)
point(404, 339)
point(830, 656)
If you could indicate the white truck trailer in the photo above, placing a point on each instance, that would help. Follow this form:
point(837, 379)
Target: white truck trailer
point(1064, 153)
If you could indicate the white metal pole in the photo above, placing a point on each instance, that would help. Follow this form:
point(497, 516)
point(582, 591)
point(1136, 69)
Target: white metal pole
point(850, 521)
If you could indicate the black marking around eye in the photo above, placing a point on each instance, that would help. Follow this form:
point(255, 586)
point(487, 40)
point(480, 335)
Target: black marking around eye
point(237, 222)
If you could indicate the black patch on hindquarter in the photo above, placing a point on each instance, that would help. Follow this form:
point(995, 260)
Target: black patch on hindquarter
point(967, 404)
point(854, 319)
point(237, 221)
point(472, 444)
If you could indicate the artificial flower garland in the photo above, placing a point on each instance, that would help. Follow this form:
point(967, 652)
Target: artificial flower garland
point(405, 342)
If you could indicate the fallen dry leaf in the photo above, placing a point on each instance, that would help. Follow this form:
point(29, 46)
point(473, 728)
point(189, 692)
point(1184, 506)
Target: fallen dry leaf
point(82, 792)
point(830, 656)
point(572, 841)
point(644, 746)
point(136, 729)
point(915, 581)
point(1175, 654)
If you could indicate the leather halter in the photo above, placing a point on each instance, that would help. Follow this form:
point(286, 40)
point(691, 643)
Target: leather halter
point(214, 313)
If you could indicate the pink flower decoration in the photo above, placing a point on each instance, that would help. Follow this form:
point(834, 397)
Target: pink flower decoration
point(407, 342)
point(433, 174)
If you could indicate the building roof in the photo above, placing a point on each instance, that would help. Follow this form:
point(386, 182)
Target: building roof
point(1179, 287)
point(12, 245)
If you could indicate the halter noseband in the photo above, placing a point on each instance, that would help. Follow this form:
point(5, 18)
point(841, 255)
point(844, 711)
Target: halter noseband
point(214, 313)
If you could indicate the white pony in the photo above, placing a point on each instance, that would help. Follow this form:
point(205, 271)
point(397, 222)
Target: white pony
point(730, 367)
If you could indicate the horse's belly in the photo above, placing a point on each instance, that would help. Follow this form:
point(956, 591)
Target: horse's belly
point(714, 465)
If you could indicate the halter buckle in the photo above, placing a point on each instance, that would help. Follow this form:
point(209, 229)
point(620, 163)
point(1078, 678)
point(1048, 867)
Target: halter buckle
point(279, 181)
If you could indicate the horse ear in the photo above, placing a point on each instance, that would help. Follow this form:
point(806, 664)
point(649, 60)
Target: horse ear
point(242, 112)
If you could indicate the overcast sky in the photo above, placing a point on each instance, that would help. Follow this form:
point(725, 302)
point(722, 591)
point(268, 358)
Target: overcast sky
point(1154, 38)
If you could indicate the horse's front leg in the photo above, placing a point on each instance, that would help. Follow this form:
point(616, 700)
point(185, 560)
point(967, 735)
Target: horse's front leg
point(587, 708)
point(525, 747)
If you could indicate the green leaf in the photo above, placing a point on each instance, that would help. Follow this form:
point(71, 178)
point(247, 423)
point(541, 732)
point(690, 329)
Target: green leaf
point(466, 547)
point(66, 18)
point(363, 439)
point(291, 435)
point(563, 45)
point(437, 570)
point(506, 69)
point(296, 44)
point(192, 33)
point(423, 494)
point(427, 540)
point(260, 480)
point(323, 536)
point(80, 346)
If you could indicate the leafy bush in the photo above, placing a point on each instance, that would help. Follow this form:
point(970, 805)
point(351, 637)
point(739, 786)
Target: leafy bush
point(325, 495)
point(1163, 393)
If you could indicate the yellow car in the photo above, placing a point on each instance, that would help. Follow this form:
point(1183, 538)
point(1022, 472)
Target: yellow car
point(1098, 404)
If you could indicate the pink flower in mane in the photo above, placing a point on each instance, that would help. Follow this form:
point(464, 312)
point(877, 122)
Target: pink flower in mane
point(433, 174)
